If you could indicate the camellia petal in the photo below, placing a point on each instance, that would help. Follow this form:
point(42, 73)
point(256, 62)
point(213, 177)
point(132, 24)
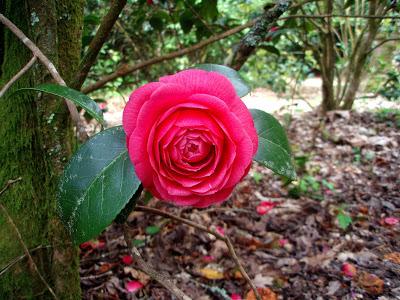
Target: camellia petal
point(190, 138)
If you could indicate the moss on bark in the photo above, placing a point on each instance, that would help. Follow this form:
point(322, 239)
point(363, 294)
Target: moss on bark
point(36, 141)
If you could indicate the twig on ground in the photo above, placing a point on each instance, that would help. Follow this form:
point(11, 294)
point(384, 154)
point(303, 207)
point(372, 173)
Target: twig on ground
point(219, 236)
point(53, 71)
point(26, 250)
point(17, 76)
point(91, 277)
point(149, 270)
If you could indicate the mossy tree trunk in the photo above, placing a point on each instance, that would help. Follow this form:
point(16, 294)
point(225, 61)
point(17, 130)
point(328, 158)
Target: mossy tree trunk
point(36, 140)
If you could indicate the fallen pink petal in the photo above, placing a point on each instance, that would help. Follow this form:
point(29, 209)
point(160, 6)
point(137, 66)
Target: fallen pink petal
point(283, 242)
point(208, 258)
point(349, 270)
point(391, 221)
point(236, 297)
point(133, 286)
point(127, 259)
point(220, 230)
point(265, 207)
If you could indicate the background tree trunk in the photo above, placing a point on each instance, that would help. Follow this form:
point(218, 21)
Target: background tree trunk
point(327, 62)
point(36, 141)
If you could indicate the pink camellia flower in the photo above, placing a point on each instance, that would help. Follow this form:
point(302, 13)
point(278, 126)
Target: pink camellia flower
point(133, 286)
point(190, 137)
point(265, 207)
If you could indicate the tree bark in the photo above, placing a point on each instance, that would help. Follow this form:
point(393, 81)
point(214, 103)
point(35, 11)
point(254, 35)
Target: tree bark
point(327, 62)
point(360, 57)
point(36, 141)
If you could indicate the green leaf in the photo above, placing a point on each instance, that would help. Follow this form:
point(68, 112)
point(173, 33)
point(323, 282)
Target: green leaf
point(242, 89)
point(138, 243)
point(186, 21)
point(75, 96)
point(208, 9)
point(96, 185)
point(271, 49)
point(273, 145)
point(344, 220)
point(152, 230)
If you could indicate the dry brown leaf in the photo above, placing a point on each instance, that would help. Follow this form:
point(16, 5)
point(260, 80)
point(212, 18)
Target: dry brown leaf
point(393, 257)
point(211, 274)
point(370, 283)
point(265, 293)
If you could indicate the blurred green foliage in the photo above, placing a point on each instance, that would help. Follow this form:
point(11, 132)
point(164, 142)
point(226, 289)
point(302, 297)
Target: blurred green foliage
point(148, 29)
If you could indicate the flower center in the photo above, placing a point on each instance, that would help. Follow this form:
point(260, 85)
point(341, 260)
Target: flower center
point(193, 149)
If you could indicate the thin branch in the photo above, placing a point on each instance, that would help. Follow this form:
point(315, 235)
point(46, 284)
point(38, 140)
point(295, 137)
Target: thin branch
point(258, 33)
point(97, 42)
point(19, 258)
point(161, 278)
point(126, 69)
point(51, 68)
point(378, 45)
point(17, 76)
point(219, 236)
point(26, 250)
point(323, 16)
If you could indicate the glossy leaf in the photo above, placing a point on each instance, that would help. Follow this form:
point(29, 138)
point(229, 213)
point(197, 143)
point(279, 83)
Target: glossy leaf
point(96, 185)
point(75, 96)
point(273, 146)
point(152, 230)
point(344, 220)
point(242, 89)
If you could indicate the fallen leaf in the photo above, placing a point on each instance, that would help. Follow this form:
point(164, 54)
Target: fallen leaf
point(105, 268)
point(263, 281)
point(265, 294)
point(393, 257)
point(211, 274)
point(371, 283)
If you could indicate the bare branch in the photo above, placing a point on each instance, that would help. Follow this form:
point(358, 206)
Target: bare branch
point(51, 68)
point(378, 45)
point(339, 16)
point(258, 33)
point(160, 277)
point(126, 69)
point(97, 42)
point(26, 250)
point(219, 236)
point(17, 76)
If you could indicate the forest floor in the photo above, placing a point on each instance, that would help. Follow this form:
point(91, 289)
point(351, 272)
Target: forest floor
point(333, 234)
